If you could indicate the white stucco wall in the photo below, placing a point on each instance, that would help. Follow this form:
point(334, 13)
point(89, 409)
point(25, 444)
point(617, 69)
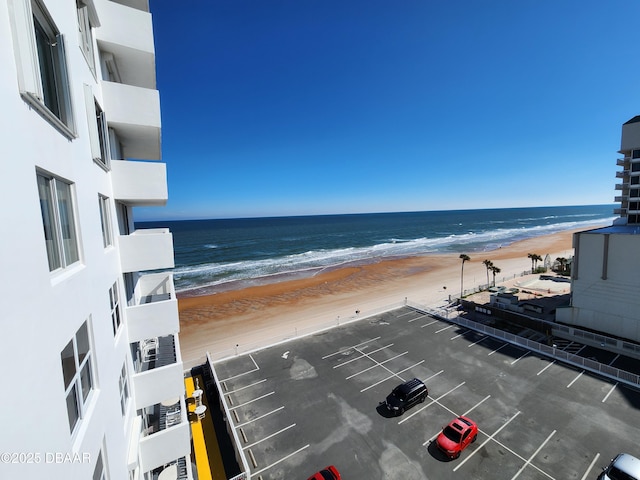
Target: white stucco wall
point(610, 305)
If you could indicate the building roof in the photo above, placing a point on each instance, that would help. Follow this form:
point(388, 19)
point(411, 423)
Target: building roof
point(619, 229)
point(635, 119)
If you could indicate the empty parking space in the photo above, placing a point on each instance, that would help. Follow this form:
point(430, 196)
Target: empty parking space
point(316, 401)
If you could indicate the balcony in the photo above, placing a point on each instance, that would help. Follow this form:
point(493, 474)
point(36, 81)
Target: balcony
point(158, 370)
point(620, 211)
point(137, 4)
point(622, 162)
point(154, 309)
point(622, 186)
point(126, 32)
point(623, 174)
point(146, 249)
point(166, 434)
point(134, 113)
point(139, 183)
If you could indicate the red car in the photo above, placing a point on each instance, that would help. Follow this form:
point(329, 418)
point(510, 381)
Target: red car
point(457, 436)
point(328, 473)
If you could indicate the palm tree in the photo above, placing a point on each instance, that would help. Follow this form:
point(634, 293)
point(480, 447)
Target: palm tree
point(563, 263)
point(465, 258)
point(535, 258)
point(494, 270)
point(488, 264)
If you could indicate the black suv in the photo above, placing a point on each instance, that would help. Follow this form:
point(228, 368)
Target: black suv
point(406, 395)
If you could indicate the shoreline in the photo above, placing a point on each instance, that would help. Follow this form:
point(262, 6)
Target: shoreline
point(241, 319)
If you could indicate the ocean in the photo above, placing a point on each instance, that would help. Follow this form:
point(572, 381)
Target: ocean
point(217, 255)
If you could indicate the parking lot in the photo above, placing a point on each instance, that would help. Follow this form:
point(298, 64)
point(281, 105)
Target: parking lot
point(302, 405)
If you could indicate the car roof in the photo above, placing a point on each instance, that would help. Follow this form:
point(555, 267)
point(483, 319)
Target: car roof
point(410, 384)
point(628, 464)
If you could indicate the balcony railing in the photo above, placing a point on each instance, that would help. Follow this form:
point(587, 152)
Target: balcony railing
point(134, 113)
point(623, 174)
point(165, 436)
point(622, 186)
point(622, 162)
point(153, 310)
point(139, 183)
point(127, 34)
point(158, 370)
point(146, 249)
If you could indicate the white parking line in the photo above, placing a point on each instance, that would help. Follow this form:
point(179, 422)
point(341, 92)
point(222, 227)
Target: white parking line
point(260, 417)
point(476, 405)
point(574, 380)
point(610, 392)
point(374, 366)
point(485, 442)
point(446, 328)
point(532, 456)
point(459, 335)
point(616, 357)
point(245, 373)
point(593, 462)
point(430, 323)
point(251, 401)
point(499, 348)
point(545, 368)
point(406, 313)
point(477, 342)
point(246, 386)
point(435, 400)
point(358, 358)
point(522, 356)
point(270, 436)
point(376, 362)
point(280, 461)
point(339, 352)
point(391, 376)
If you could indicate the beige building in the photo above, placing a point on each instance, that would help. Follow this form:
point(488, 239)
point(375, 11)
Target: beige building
point(606, 267)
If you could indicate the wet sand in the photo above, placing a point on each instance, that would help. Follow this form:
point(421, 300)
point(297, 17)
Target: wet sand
point(237, 321)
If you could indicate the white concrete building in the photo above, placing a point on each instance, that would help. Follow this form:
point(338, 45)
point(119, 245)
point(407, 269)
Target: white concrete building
point(606, 267)
point(92, 376)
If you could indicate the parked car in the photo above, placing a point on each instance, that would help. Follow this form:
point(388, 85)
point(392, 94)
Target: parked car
point(457, 436)
point(623, 467)
point(328, 473)
point(406, 395)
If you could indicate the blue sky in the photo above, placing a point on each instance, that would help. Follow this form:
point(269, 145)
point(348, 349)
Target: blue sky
point(293, 107)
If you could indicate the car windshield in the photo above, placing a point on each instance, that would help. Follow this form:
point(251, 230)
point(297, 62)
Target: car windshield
point(399, 392)
point(327, 475)
point(615, 474)
point(451, 434)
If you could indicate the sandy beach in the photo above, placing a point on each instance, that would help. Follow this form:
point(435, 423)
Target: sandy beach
point(237, 321)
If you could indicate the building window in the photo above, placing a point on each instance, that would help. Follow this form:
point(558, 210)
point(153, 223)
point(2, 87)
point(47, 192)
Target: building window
point(635, 167)
point(99, 471)
point(41, 62)
point(114, 302)
point(85, 36)
point(124, 389)
point(635, 153)
point(56, 206)
point(77, 374)
point(98, 131)
point(105, 221)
